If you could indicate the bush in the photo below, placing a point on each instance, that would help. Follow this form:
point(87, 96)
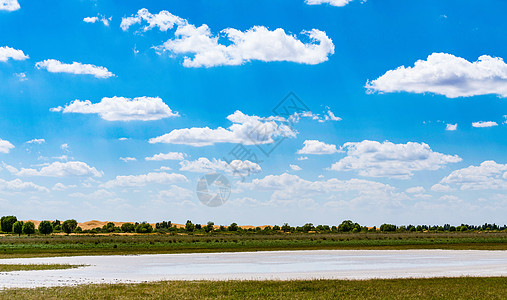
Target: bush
point(29, 228)
point(387, 227)
point(69, 225)
point(127, 227)
point(18, 227)
point(45, 227)
point(6, 223)
point(189, 226)
point(233, 227)
point(209, 227)
point(144, 228)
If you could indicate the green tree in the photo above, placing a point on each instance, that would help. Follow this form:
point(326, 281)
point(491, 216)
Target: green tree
point(233, 227)
point(28, 228)
point(45, 227)
point(18, 227)
point(128, 227)
point(68, 226)
point(209, 227)
point(6, 223)
point(189, 226)
point(387, 227)
point(144, 228)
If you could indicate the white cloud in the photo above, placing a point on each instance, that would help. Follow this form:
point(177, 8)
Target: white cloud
point(484, 124)
point(21, 76)
point(122, 109)
point(441, 188)
point(123, 139)
point(448, 75)
point(257, 43)
point(65, 147)
point(144, 179)
point(17, 185)
point(488, 175)
point(317, 147)
point(100, 18)
point(5, 146)
point(163, 20)
point(9, 5)
point(62, 169)
point(36, 141)
point(451, 127)
point(247, 130)
point(203, 49)
point(374, 159)
point(295, 167)
point(127, 159)
point(235, 167)
point(8, 52)
point(167, 156)
point(90, 19)
point(330, 2)
point(55, 66)
point(290, 188)
point(98, 194)
point(415, 190)
point(302, 158)
point(176, 193)
point(62, 187)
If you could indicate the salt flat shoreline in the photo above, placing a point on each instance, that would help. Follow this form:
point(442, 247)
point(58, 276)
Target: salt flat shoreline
point(264, 265)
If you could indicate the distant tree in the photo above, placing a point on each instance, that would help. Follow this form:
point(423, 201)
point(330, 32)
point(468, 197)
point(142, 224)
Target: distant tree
point(68, 226)
point(109, 227)
point(189, 226)
point(6, 223)
point(286, 227)
point(233, 227)
point(346, 226)
point(276, 228)
point(28, 228)
point(198, 226)
point(209, 227)
point(144, 228)
point(127, 227)
point(387, 227)
point(45, 227)
point(308, 227)
point(17, 227)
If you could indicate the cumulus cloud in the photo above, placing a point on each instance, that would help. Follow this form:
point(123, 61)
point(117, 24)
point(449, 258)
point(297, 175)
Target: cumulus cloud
point(62, 169)
point(36, 141)
point(374, 159)
point(145, 179)
point(167, 156)
point(176, 193)
point(488, 175)
point(55, 66)
point(7, 53)
point(289, 188)
point(122, 109)
point(17, 185)
point(5, 146)
point(330, 2)
point(203, 49)
point(100, 18)
point(247, 130)
point(448, 75)
point(415, 190)
point(9, 5)
point(62, 187)
point(451, 127)
point(295, 167)
point(317, 147)
point(235, 167)
point(484, 124)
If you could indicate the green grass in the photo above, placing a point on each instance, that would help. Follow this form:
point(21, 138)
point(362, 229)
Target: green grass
point(435, 288)
point(61, 245)
point(33, 267)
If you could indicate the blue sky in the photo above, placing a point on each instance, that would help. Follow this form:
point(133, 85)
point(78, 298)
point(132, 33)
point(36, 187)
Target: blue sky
point(406, 120)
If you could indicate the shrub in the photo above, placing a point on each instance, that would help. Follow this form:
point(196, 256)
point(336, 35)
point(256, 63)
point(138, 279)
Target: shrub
point(128, 227)
point(233, 227)
point(189, 226)
point(29, 228)
point(69, 225)
point(45, 227)
point(6, 223)
point(144, 228)
point(17, 227)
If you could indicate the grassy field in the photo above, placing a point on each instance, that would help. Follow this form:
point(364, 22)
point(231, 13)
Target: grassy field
point(32, 267)
point(435, 288)
point(59, 245)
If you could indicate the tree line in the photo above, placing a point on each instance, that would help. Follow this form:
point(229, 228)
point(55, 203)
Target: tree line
point(10, 224)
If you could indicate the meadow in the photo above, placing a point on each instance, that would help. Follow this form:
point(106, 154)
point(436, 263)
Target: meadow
point(121, 244)
point(434, 288)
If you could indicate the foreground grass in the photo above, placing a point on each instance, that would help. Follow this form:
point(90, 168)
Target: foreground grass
point(436, 288)
point(61, 245)
point(33, 267)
